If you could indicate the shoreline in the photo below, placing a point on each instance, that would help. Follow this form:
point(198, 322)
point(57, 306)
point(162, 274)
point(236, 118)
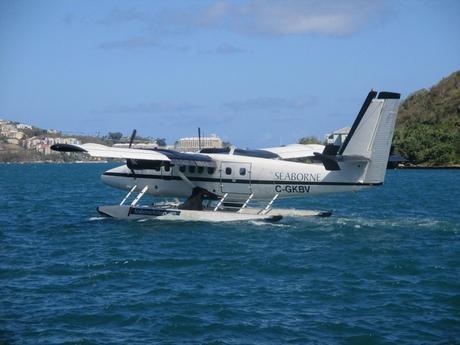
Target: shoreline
point(51, 162)
point(428, 168)
point(455, 167)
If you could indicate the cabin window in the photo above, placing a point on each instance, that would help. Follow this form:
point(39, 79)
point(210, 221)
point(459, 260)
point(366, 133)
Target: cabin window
point(242, 171)
point(211, 171)
point(228, 171)
point(182, 168)
point(191, 169)
point(200, 170)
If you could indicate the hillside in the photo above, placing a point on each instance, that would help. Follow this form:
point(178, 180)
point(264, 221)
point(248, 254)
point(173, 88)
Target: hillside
point(21, 142)
point(427, 128)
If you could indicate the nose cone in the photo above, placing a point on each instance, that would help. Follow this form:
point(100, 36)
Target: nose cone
point(118, 177)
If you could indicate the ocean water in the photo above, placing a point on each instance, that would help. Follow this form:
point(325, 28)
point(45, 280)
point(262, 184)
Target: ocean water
point(384, 269)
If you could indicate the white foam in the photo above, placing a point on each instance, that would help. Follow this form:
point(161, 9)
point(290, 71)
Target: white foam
point(262, 223)
point(92, 219)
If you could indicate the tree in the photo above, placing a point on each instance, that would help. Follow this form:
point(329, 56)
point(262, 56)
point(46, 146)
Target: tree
point(161, 142)
point(34, 132)
point(428, 125)
point(115, 136)
point(309, 140)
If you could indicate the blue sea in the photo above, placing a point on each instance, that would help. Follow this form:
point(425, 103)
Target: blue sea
point(383, 269)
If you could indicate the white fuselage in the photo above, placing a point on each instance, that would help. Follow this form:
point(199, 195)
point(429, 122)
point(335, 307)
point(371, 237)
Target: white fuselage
point(241, 176)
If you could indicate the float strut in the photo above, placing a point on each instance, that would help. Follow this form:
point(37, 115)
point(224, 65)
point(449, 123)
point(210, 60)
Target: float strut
point(127, 195)
point(139, 196)
point(269, 205)
point(245, 203)
point(220, 202)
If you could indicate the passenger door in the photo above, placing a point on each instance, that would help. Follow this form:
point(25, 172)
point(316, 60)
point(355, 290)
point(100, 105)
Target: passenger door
point(235, 178)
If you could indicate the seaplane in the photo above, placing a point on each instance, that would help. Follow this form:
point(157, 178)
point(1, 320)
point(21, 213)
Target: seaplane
point(233, 184)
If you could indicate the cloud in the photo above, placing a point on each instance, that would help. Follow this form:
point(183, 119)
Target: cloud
point(130, 43)
point(140, 42)
point(150, 42)
point(288, 17)
point(269, 17)
point(149, 108)
point(271, 104)
point(225, 49)
point(125, 15)
point(299, 16)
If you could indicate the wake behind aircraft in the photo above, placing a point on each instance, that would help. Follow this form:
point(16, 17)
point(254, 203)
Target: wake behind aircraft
point(232, 184)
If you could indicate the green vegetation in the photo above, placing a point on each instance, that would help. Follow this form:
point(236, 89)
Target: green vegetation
point(161, 141)
point(309, 140)
point(115, 136)
point(13, 153)
point(34, 132)
point(427, 130)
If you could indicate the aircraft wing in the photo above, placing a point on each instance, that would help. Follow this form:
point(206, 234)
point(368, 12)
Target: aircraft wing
point(293, 151)
point(98, 150)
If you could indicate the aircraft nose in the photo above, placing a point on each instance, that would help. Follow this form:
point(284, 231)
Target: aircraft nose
point(117, 177)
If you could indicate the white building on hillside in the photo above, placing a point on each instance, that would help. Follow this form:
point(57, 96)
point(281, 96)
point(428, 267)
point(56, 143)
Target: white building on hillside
point(23, 126)
point(7, 127)
point(43, 144)
point(193, 144)
point(12, 134)
point(338, 137)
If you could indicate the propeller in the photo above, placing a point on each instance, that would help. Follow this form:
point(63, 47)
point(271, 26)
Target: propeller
point(129, 162)
point(133, 135)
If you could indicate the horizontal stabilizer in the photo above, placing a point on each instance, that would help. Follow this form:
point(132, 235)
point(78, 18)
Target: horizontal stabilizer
point(329, 162)
point(295, 151)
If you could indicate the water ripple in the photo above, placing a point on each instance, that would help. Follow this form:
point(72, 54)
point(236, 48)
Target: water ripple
point(384, 269)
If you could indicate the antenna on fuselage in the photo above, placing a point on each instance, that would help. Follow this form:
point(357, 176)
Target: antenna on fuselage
point(199, 138)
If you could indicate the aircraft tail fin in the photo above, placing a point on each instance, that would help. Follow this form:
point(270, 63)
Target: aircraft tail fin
point(371, 135)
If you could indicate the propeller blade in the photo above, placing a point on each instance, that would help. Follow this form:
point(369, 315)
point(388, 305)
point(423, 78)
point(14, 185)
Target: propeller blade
point(133, 135)
point(129, 161)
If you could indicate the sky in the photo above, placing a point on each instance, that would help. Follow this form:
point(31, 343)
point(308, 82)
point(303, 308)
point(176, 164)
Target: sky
point(258, 73)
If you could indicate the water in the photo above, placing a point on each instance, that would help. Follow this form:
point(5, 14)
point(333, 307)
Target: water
point(385, 268)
